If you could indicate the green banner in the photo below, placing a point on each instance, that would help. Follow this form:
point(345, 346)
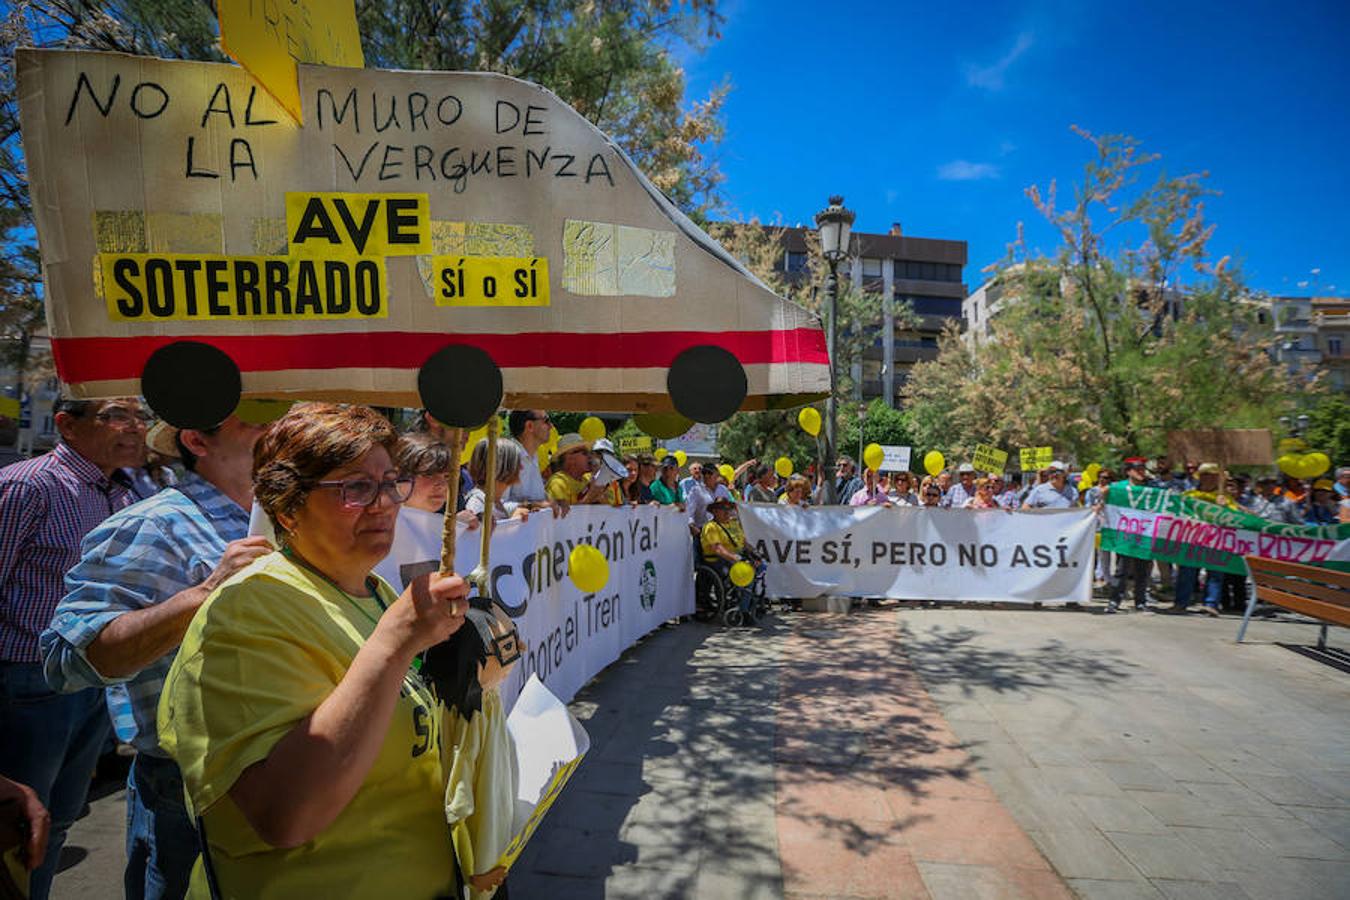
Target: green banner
point(1152, 523)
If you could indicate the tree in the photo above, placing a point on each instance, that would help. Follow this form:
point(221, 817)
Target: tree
point(1329, 428)
point(1128, 331)
point(880, 425)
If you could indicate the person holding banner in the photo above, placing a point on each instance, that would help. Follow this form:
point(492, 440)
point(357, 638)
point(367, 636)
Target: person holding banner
point(1055, 492)
point(571, 480)
point(797, 492)
point(723, 544)
point(666, 490)
point(531, 428)
point(1188, 577)
point(307, 740)
point(870, 494)
point(963, 490)
point(1129, 568)
point(511, 460)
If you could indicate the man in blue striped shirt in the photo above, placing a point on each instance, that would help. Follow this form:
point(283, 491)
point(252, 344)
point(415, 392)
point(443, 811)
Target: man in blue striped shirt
point(141, 577)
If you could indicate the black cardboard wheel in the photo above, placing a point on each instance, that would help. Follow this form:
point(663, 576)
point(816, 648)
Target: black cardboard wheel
point(460, 386)
point(191, 385)
point(706, 383)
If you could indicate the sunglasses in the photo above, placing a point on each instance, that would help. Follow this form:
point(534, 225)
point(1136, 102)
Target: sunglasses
point(361, 492)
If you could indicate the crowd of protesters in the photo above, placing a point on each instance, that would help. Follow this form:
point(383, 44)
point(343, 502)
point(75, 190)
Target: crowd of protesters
point(130, 613)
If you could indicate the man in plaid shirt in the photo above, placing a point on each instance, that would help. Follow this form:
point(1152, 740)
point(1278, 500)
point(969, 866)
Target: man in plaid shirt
point(142, 576)
point(49, 741)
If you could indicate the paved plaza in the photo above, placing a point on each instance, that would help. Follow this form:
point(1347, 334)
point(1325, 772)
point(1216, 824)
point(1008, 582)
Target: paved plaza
point(959, 753)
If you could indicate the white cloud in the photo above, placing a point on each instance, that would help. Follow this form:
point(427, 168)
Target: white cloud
point(991, 77)
point(964, 170)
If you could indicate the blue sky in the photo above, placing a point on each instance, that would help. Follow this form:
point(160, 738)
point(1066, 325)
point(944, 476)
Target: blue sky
point(940, 115)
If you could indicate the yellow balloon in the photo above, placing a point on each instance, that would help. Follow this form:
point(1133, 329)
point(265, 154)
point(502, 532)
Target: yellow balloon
point(809, 419)
point(873, 456)
point(783, 466)
point(660, 453)
point(681, 458)
point(545, 455)
point(1091, 472)
point(742, 573)
point(592, 429)
point(1289, 464)
point(726, 471)
point(1315, 464)
point(587, 568)
point(933, 462)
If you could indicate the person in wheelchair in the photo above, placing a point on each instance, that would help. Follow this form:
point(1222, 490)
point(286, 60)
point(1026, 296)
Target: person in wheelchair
point(723, 545)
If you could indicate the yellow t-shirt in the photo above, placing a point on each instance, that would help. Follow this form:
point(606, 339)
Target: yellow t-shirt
point(261, 654)
point(480, 797)
point(564, 487)
point(728, 535)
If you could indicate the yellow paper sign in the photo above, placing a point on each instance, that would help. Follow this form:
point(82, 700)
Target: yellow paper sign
point(490, 280)
point(1036, 458)
point(157, 287)
point(989, 459)
point(269, 38)
point(9, 408)
point(639, 444)
point(349, 225)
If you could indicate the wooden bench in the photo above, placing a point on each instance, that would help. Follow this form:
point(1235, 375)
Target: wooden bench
point(1315, 592)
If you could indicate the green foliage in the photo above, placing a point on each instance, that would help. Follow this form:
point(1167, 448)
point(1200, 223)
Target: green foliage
point(881, 425)
point(1088, 352)
point(765, 436)
point(1329, 428)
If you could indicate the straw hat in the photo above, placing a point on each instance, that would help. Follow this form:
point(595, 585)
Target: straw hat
point(163, 439)
point(569, 442)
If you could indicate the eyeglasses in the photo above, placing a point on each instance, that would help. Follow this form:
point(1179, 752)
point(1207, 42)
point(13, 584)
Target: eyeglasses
point(123, 418)
point(545, 419)
point(360, 492)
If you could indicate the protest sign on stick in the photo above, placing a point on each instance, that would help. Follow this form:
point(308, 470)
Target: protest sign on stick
point(989, 459)
point(1034, 459)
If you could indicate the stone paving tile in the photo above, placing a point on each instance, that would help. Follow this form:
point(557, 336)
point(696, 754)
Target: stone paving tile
point(1094, 889)
point(1118, 814)
point(1227, 851)
point(1289, 790)
point(1234, 799)
point(1084, 853)
point(1199, 890)
point(1092, 780)
point(1139, 776)
point(1181, 809)
point(1163, 856)
point(951, 881)
point(1295, 839)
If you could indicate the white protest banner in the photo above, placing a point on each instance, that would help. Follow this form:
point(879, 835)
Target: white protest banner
point(924, 554)
point(569, 636)
point(895, 458)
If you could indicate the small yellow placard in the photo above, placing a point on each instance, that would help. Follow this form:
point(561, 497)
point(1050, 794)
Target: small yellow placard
point(490, 280)
point(10, 408)
point(989, 459)
point(343, 226)
point(1036, 458)
point(157, 287)
point(269, 38)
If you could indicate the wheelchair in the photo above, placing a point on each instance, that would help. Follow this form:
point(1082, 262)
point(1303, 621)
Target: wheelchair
point(716, 598)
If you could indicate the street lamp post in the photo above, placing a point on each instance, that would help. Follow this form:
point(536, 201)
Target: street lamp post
point(835, 223)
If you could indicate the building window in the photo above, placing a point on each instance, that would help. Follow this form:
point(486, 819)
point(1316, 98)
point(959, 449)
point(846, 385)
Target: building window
point(795, 262)
point(1333, 346)
point(871, 268)
point(936, 306)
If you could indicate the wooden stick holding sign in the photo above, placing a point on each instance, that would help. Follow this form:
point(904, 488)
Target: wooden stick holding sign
point(452, 504)
point(479, 576)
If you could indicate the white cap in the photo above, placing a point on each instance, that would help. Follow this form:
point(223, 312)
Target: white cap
point(1058, 465)
point(965, 467)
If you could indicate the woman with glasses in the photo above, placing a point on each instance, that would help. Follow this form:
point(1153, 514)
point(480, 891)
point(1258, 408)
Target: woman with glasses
point(797, 492)
point(930, 493)
point(307, 739)
point(901, 490)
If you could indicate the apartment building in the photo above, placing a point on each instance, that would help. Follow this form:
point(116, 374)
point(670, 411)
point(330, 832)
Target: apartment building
point(926, 273)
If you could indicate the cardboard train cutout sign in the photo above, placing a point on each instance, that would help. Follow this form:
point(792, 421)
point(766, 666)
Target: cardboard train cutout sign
point(454, 240)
